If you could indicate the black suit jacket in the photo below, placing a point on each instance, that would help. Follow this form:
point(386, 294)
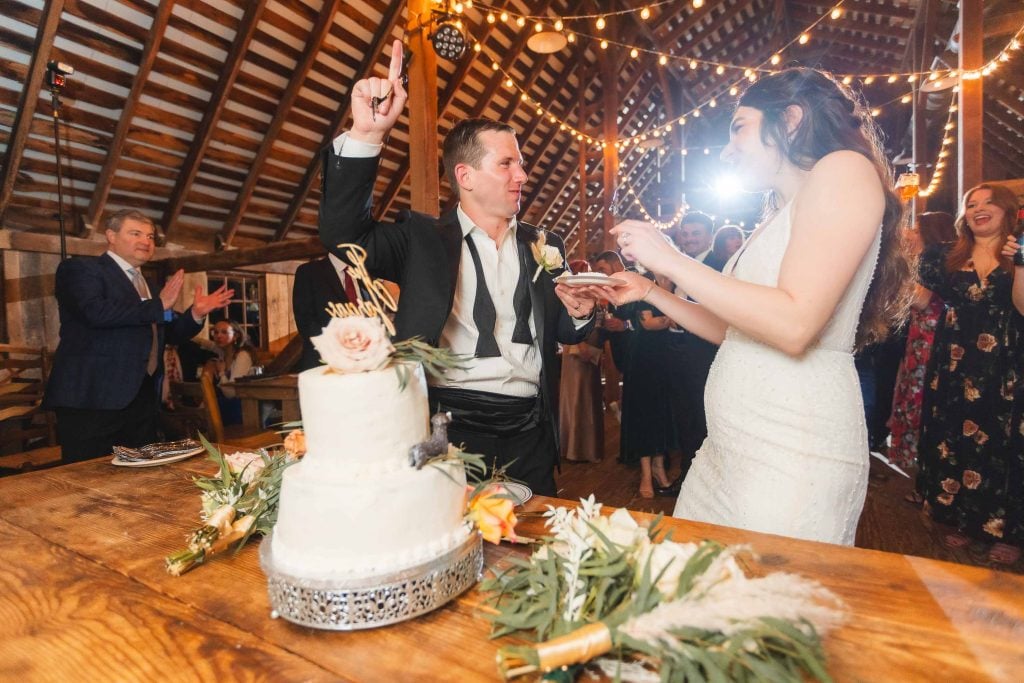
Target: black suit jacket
point(423, 255)
point(316, 285)
point(105, 336)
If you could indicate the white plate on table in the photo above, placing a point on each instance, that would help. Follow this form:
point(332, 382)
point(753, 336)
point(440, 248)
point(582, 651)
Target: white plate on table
point(521, 492)
point(579, 279)
point(158, 461)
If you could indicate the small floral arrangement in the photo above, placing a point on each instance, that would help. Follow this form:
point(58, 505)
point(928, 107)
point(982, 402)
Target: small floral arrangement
point(548, 257)
point(240, 501)
point(603, 585)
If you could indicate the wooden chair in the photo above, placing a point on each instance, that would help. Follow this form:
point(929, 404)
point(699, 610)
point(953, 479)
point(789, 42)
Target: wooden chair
point(23, 422)
point(212, 407)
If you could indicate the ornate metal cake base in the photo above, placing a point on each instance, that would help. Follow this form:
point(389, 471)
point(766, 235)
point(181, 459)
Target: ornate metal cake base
point(347, 605)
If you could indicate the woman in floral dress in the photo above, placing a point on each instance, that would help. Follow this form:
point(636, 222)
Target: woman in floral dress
point(933, 228)
point(972, 449)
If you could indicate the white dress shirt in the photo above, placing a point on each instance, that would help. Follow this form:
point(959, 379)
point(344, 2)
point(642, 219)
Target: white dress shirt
point(128, 270)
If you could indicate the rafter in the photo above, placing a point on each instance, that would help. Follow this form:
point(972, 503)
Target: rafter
point(208, 126)
point(370, 57)
point(316, 38)
point(150, 49)
point(41, 47)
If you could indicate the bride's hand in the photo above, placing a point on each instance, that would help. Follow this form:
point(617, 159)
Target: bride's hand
point(637, 287)
point(645, 244)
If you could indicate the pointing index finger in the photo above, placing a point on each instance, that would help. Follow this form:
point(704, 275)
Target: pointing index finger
point(395, 69)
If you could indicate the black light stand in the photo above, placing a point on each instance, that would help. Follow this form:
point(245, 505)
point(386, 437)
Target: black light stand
point(56, 73)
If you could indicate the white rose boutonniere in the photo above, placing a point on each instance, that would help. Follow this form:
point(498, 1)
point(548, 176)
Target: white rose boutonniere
point(354, 344)
point(548, 257)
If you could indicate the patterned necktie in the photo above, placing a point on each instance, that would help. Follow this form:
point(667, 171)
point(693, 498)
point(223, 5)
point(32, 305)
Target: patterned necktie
point(143, 289)
point(484, 315)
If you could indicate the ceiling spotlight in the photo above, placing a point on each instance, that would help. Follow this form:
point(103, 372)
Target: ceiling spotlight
point(448, 41)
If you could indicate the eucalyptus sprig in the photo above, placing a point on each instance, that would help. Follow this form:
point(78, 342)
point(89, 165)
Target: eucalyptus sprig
point(435, 361)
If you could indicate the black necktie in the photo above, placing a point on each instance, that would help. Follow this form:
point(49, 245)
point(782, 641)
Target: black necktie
point(485, 316)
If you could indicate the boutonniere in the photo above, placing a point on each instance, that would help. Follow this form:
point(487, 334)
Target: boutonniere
point(547, 257)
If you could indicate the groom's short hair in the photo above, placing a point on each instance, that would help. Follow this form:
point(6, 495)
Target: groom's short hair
point(462, 145)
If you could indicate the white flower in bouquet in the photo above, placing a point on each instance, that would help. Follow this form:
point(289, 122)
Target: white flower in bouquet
point(354, 344)
point(249, 465)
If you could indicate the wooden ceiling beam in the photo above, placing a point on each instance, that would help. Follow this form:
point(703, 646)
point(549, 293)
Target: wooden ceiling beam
point(208, 126)
point(115, 150)
point(235, 258)
point(891, 10)
point(380, 41)
point(829, 35)
point(493, 83)
point(28, 100)
point(318, 33)
point(997, 148)
point(807, 17)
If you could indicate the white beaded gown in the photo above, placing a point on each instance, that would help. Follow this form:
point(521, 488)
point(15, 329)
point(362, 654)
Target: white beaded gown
point(787, 446)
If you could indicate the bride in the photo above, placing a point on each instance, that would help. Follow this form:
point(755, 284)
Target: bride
point(787, 449)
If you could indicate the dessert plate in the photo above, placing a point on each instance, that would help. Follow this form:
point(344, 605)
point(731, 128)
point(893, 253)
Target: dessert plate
point(521, 492)
point(588, 279)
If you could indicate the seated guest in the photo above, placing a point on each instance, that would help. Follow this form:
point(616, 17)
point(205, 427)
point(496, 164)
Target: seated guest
point(104, 385)
point(580, 410)
point(236, 359)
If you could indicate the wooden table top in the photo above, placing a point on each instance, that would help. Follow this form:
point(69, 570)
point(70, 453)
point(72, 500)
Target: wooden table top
point(84, 596)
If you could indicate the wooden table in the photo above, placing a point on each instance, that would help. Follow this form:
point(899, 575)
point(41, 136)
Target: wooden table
point(283, 388)
point(84, 596)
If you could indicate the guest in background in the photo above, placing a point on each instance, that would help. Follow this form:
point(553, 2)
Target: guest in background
point(727, 241)
point(649, 432)
point(581, 418)
point(693, 235)
point(615, 330)
point(237, 357)
point(933, 229)
point(317, 284)
point(972, 449)
point(104, 383)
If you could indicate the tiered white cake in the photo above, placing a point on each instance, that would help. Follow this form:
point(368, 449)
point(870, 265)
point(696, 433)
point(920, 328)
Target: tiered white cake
point(353, 506)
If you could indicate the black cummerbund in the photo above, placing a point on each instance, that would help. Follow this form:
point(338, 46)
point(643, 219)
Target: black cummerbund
point(482, 412)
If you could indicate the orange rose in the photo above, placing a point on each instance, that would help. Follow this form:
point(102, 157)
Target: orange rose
point(950, 486)
point(944, 498)
point(971, 479)
point(295, 443)
point(956, 352)
point(986, 342)
point(491, 511)
point(970, 427)
point(981, 438)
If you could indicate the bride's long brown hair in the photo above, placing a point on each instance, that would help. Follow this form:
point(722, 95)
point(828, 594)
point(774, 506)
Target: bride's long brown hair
point(835, 119)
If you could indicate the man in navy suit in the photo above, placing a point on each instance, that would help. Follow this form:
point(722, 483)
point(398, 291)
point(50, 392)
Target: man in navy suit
point(103, 385)
point(469, 281)
point(317, 284)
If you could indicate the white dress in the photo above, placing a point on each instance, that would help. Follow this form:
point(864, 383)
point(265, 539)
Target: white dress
point(787, 446)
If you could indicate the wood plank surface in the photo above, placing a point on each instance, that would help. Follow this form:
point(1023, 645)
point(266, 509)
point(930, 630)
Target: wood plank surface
point(84, 595)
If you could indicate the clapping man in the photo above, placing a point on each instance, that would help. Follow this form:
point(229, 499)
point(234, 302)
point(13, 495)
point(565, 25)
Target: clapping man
point(103, 385)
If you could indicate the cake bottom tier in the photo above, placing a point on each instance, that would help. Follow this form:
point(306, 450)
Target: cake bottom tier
point(367, 526)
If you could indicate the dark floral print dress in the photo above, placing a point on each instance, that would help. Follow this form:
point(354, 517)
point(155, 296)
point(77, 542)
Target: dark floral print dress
point(905, 421)
point(972, 450)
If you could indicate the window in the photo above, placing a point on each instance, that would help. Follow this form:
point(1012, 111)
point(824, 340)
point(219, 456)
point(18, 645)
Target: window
point(246, 305)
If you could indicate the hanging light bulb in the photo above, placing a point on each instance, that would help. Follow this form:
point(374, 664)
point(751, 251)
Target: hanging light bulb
point(645, 13)
point(905, 99)
point(600, 23)
point(869, 80)
point(733, 91)
point(836, 13)
point(847, 80)
point(697, 4)
point(634, 53)
point(491, 18)
point(663, 60)
point(509, 82)
point(504, 16)
point(604, 44)
point(876, 111)
point(558, 24)
point(520, 21)
point(804, 37)
point(713, 103)
point(538, 27)
point(891, 79)
point(693, 64)
point(720, 70)
point(477, 47)
point(776, 59)
point(571, 37)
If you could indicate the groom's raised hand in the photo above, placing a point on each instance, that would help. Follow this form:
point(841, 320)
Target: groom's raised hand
point(378, 102)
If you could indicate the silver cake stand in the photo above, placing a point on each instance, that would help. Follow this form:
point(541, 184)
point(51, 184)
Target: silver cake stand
point(369, 602)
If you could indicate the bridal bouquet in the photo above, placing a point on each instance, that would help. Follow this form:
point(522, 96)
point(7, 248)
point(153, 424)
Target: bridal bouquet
point(601, 588)
point(240, 501)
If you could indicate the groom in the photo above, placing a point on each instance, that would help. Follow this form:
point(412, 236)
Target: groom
point(467, 280)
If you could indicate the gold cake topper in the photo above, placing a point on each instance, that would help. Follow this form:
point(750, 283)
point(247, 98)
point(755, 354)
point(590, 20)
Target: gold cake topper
point(378, 301)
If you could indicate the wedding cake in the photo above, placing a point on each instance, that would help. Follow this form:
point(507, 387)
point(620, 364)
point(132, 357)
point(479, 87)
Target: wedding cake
point(353, 506)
